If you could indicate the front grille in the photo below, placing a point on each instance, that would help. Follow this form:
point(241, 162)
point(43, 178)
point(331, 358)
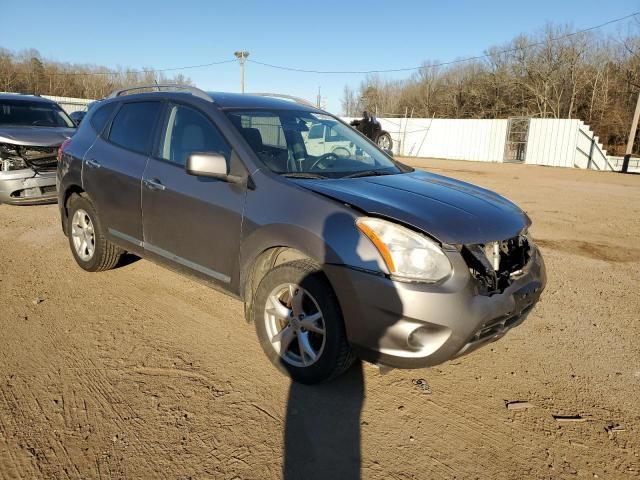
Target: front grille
point(499, 326)
point(494, 265)
point(43, 164)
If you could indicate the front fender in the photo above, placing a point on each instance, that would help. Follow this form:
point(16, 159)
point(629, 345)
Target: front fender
point(281, 213)
point(340, 243)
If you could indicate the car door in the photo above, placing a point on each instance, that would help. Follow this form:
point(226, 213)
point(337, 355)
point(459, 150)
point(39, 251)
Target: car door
point(114, 165)
point(191, 220)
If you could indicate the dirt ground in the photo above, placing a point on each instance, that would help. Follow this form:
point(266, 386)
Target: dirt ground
point(141, 373)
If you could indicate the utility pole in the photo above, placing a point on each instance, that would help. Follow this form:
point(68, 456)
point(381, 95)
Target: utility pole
point(632, 137)
point(241, 55)
point(318, 98)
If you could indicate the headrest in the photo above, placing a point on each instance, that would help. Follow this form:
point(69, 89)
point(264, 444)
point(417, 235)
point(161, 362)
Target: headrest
point(253, 136)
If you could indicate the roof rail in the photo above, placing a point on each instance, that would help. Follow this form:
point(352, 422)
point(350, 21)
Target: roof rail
point(299, 100)
point(23, 93)
point(192, 90)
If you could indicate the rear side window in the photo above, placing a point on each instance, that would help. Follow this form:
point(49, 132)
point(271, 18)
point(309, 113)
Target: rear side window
point(101, 115)
point(133, 125)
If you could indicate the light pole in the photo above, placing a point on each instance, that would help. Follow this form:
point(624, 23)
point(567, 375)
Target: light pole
point(632, 137)
point(241, 55)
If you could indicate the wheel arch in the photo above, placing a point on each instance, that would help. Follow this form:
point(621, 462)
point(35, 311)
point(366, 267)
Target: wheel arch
point(271, 245)
point(64, 205)
point(261, 263)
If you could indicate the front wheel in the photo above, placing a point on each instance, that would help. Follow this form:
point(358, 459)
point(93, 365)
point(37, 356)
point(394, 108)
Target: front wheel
point(299, 323)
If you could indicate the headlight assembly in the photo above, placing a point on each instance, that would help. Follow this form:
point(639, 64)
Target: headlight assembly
point(7, 164)
point(408, 255)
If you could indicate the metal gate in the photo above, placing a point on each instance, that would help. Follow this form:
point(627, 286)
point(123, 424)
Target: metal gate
point(515, 149)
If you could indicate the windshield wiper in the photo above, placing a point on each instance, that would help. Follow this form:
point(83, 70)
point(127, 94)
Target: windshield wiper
point(367, 173)
point(303, 175)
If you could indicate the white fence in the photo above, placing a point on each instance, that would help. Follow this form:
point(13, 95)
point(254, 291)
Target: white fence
point(553, 142)
point(565, 143)
point(70, 104)
point(616, 163)
point(453, 139)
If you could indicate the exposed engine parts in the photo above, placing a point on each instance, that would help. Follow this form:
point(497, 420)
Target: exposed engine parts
point(495, 264)
point(15, 157)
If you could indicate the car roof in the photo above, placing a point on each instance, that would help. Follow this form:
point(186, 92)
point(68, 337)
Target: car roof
point(223, 100)
point(246, 100)
point(21, 97)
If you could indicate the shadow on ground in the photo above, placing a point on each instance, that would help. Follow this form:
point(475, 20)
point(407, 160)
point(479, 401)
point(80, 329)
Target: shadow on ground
point(322, 431)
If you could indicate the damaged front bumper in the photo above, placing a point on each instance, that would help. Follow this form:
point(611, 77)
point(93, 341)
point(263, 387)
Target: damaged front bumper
point(26, 187)
point(405, 325)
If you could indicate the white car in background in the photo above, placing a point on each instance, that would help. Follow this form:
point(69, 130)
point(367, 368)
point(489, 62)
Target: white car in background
point(322, 139)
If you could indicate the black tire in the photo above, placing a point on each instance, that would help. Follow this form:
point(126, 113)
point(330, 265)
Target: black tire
point(106, 255)
point(336, 356)
point(383, 140)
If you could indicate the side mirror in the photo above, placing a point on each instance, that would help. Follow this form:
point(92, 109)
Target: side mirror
point(207, 165)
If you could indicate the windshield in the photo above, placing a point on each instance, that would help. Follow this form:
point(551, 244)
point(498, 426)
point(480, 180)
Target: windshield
point(33, 114)
point(307, 144)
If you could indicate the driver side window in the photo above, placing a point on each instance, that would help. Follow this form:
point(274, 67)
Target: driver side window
point(188, 131)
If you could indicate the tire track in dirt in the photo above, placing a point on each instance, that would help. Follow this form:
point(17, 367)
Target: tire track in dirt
point(139, 372)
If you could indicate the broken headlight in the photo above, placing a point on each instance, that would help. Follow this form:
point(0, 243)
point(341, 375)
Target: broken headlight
point(14, 163)
point(10, 158)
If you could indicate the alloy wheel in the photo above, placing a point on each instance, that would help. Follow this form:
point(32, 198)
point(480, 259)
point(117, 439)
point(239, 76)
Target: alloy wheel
point(383, 141)
point(295, 325)
point(83, 235)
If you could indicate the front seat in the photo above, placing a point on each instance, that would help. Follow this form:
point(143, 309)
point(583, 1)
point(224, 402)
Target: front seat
point(274, 158)
point(254, 138)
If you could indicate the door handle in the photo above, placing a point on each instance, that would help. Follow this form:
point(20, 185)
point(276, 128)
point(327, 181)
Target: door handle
point(154, 184)
point(93, 163)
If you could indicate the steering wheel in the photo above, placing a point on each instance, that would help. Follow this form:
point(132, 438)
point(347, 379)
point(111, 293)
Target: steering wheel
point(342, 152)
point(322, 158)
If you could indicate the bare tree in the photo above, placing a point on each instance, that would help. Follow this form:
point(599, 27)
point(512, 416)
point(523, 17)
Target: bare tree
point(556, 73)
point(28, 72)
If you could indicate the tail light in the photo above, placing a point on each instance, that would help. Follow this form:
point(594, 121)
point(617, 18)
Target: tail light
point(62, 147)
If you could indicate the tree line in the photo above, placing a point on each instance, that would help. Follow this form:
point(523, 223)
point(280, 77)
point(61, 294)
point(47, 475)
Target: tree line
point(556, 73)
point(27, 72)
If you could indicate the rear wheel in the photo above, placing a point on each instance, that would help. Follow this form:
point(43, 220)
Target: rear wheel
point(299, 323)
point(90, 248)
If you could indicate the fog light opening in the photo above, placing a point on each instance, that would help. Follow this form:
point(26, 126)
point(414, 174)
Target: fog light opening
point(427, 338)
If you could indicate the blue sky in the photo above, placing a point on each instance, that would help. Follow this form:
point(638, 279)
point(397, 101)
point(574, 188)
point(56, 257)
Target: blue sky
point(327, 35)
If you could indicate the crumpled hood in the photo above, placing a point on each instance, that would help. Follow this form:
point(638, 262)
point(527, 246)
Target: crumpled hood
point(452, 211)
point(35, 136)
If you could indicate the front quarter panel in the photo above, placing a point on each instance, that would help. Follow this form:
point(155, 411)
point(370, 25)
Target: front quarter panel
point(279, 213)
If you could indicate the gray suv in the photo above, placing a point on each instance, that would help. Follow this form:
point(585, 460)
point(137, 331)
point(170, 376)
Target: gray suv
point(336, 255)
